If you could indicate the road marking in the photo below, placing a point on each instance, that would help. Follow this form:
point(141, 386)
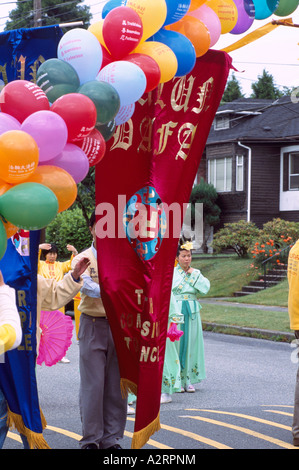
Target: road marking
point(14, 436)
point(277, 442)
point(279, 412)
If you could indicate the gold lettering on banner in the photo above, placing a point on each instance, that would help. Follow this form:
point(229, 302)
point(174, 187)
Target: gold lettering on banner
point(34, 67)
point(146, 127)
point(185, 137)
point(165, 132)
point(21, 70)
point(123, 136)
point(181, 93)
point(3, 73)
point(204, 94)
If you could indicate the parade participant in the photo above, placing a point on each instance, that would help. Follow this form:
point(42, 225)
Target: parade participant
point(102, 407)
point(293, 308)
point(187, 285)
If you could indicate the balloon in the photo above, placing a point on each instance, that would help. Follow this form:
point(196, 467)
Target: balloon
point(127, 78)
point(9, 228)
point(109, 6)
point(124, 114)
point(176, 9)
point(3, 240)
point(163, 55)
point(30, 206)
point(49, 131)
point(81, 49)
point(181, 46)
point(79, 113)
point(122, 31)
point(209, 18)
point(94, 147)
point(8, 123)
point(196, 4)
point(56, 77)
point(18, 156)
point(97, 30)
point(286, 7)
point(196, 31)
point(59, 181)
point(107, 130)
point(150, 68)
point(152, 13)
point(264, 8)
point(73, 160)
point(105, 98)
point(226, 11)
point(107, 57)
point(246, 13)
point(21, 98)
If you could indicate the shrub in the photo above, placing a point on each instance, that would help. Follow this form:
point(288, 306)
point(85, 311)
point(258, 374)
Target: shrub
point(69, 227)
point(238, 236)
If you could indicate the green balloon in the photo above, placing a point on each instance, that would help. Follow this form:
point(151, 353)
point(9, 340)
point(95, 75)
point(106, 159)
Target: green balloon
point(107, 130)
point(286, 7)
point(59, 90)
point(3, 240)
point(105, 98)
point(30, 206)
point(55, 72)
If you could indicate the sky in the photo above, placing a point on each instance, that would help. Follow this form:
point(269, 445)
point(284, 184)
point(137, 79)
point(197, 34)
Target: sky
point(277, 52)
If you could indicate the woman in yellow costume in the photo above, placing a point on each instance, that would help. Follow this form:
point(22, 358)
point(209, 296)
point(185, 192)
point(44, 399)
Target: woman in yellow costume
point(50, 268)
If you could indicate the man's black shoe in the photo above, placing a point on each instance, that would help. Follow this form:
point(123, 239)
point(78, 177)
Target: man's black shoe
point(116, 446)
point(91, 446)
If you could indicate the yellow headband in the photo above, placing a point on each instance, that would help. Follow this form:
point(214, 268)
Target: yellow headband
point(187, 246)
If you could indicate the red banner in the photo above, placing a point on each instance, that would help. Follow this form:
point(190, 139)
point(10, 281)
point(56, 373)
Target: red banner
point(142, 186)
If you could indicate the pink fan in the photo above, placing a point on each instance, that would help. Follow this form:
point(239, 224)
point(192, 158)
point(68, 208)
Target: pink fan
point(56, 337)
point(173, 333)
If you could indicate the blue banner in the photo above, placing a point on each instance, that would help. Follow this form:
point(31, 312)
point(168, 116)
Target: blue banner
point(23, 50)
point(17, 371)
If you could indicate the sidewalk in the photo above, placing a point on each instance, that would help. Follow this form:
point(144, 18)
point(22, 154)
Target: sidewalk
point(246, 331)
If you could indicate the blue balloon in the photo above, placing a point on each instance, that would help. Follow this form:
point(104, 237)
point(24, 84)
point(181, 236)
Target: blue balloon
point(111, 5)
point(264, 8)
point(181, 46)
point(176, 10)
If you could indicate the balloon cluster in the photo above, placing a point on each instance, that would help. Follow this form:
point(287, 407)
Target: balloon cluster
point(53, 131)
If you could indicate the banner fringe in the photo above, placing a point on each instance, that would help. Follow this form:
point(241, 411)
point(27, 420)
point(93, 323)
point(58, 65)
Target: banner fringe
point(141, 437)
point(35, 440)
point(251, 37)
point(126, 387)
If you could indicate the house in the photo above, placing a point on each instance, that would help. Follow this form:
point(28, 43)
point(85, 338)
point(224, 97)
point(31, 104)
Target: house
point(252, 159)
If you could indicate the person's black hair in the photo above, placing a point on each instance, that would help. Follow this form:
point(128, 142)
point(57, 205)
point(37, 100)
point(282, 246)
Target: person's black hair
point(92, 219)
point(53, 249)
point(181, 242)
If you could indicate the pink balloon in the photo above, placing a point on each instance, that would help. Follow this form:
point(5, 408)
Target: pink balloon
point(8, 123)
point(73, 160)
point(49, 131)
point(210, 19)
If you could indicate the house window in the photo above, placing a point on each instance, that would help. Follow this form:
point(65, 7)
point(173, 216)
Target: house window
point(239, 173)
point(220, 174)
point(221, 123)
point(294, 171)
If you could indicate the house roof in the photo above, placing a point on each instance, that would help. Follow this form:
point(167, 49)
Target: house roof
point(258, 120)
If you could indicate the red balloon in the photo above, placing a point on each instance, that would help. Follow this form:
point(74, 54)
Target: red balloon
point(94, 147)
point(107, 58)
point(79, 113)
point(150, 68)
point(122, 31)
point(20, 98)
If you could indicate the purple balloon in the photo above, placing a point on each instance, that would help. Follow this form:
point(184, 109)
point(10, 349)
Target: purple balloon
point(49, 131)
point(246, 15)
point(8, 123)
point(73, 160)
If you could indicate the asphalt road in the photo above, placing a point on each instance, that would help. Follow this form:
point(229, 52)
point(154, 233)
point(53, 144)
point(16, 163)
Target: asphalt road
point(246, 401)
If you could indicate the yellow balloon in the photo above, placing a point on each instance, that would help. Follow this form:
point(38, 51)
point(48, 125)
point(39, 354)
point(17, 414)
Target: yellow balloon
point(97, 30)
point(163, 55)
point(227, 13)
point(152, 13)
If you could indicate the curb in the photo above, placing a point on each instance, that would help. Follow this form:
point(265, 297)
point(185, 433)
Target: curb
point(281, 336)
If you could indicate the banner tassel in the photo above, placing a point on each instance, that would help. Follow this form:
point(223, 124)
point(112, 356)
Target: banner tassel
point(35, 440)
point(126, 387)
point(141, 437)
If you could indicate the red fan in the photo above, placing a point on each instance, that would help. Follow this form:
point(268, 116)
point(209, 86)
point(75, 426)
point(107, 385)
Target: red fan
point(56, 337)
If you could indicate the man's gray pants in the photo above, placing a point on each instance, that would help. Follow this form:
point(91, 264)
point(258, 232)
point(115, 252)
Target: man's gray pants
point(103, 410)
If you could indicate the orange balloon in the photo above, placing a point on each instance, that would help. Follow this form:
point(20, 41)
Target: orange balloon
point(9, 227)
point(163, 55)
point(97, 30)
point(196, 4)
point(196, 31)
point(18, 156)
point(59, 181)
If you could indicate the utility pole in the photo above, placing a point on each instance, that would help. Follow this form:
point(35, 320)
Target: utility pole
point(37, 8)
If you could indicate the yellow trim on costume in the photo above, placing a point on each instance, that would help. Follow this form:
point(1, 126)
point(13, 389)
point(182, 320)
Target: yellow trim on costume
point(251, 37)
point(35, 440)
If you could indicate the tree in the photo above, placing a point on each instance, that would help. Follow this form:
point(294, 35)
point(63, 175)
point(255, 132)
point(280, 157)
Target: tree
point(232, 91)
point(265, 88)
point(51, 12)
point(206, 194)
